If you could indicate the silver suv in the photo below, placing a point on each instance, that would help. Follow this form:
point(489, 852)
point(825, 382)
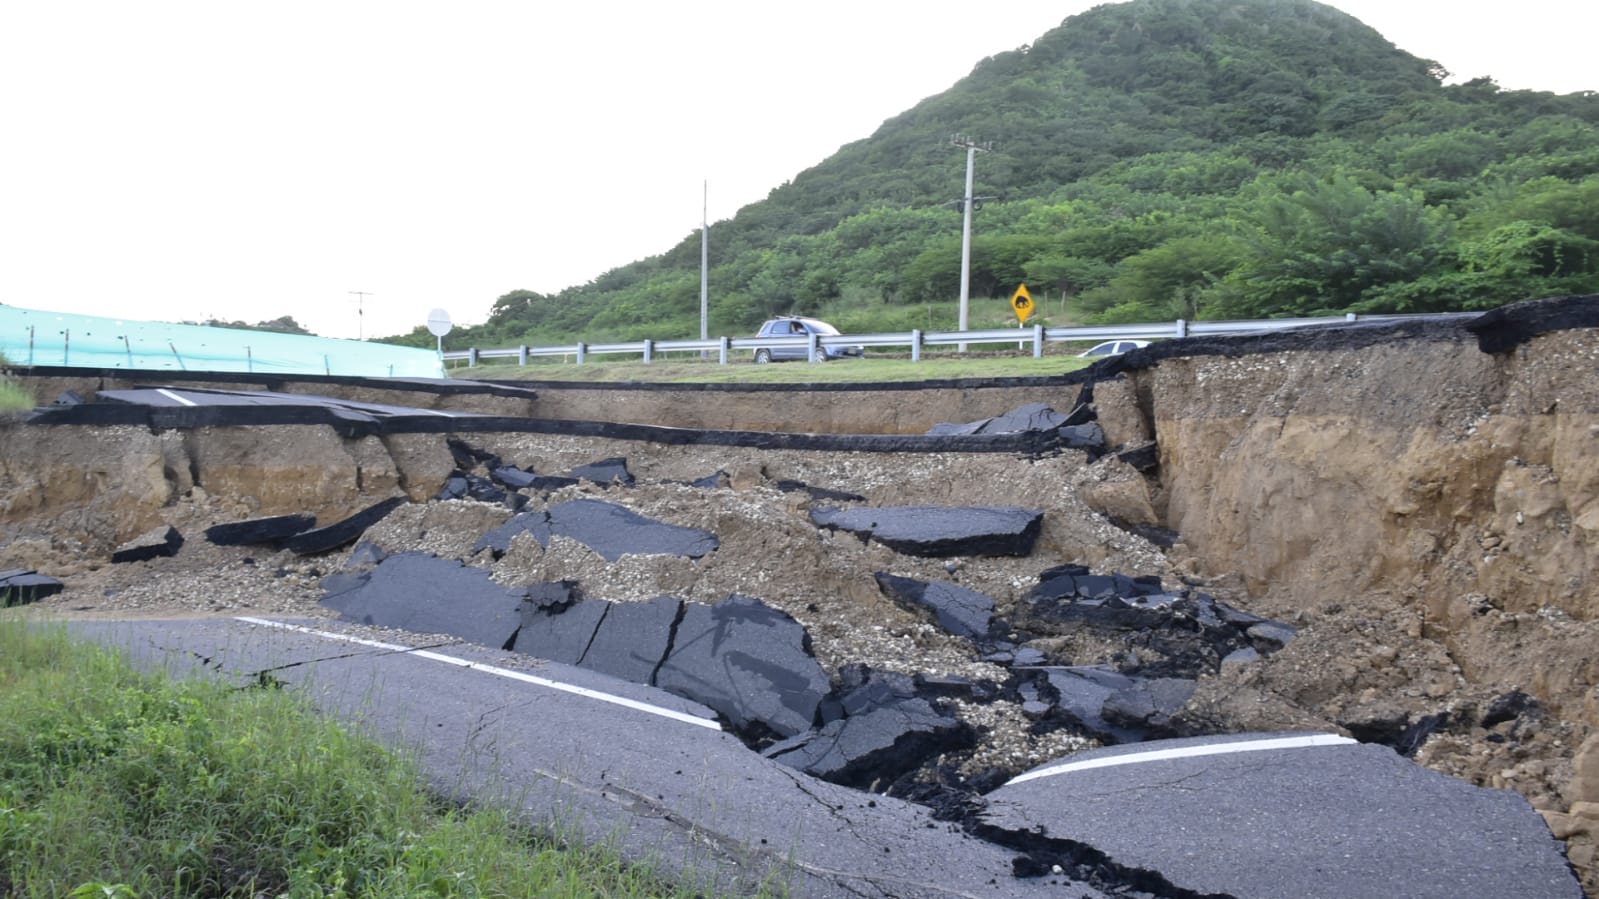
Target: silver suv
point(795, 326)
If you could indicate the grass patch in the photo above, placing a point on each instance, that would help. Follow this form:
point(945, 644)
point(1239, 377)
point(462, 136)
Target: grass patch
point(932, 366)
point(12, 397)
point(119, 784)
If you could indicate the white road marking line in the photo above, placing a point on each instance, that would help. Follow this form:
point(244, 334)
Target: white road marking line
point(173, 396)
point(500, 672)
point(1155, 755)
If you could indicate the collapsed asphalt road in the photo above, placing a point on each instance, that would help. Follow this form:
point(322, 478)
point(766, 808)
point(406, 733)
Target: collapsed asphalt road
point(1306, 815)
point(1069, 636)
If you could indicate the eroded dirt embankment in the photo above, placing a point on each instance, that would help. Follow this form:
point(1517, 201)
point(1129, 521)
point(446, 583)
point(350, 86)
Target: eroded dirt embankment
point(1426, 513)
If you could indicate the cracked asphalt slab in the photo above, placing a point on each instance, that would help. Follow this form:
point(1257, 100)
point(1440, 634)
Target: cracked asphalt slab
point(1274, 815)
point(688, 796)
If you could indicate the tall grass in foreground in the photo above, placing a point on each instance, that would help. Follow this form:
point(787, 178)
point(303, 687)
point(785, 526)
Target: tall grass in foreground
point(12, 397)
point(129, 786)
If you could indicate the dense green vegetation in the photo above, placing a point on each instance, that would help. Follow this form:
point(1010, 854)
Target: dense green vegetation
point(117, 785)
point(1156, 159)
point(283, 324)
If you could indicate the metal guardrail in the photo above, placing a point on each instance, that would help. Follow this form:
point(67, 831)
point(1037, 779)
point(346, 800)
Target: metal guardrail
point(916, 340)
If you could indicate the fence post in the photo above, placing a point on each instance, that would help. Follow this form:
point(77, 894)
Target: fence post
point(1182, 328)
point(1038, 341)
point(471, 358)
point(649, 351)
point(726, 343)
point(916, 344)
point(582, 352)
point(521, 354)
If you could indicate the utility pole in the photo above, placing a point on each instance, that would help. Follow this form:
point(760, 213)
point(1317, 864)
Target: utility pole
point(361, 295)
point(705, 259)
point(966, 202)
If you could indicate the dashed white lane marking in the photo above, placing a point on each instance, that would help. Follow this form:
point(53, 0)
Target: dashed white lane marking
point(181, 400)
point(1155, 755)
point(497, 671)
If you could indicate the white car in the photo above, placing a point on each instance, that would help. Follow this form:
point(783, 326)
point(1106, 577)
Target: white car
point(1113, 348)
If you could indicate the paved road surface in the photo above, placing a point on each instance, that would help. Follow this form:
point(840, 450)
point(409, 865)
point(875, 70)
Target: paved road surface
point(649, 773)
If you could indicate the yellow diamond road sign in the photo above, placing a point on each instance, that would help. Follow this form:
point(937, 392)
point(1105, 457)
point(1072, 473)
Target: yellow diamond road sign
point(1022, 302)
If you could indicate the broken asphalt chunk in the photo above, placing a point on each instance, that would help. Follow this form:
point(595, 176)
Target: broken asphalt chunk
point(821, 493)
point(962, 612)
point(1147, 705)
point(614, 531)
point(272, 530)
point(154, 543)
point(341, 533)
point(556, 624)
point(605, 471)
point(1144, 458)
point(1031, 417)
point(1081, 695)
point(424, 594)
point(749, 662)
point(632, 638)
point(940, 531)
point(534, 522)
point(887, 731)
point(20, 586)
point(511, 477)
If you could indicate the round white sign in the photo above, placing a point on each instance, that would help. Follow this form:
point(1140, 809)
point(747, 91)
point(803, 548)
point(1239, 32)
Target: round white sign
point(439, 323)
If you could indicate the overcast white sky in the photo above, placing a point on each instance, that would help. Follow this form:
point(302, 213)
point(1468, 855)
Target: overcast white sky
point(184, 160)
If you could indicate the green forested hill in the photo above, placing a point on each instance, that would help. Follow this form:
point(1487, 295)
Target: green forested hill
point(1154, 159)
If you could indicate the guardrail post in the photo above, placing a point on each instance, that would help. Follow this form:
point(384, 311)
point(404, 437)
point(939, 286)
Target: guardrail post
point(649, 351)
point(1350, 316)
point(471, 358)
point(521, 354)
point(811, 340)
point(916, 345)
point(726, 344)
point(1038, 341)
point(1182, 328)
point(582, 352)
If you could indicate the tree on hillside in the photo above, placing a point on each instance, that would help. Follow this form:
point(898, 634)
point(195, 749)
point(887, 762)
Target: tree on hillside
point(283, 324)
